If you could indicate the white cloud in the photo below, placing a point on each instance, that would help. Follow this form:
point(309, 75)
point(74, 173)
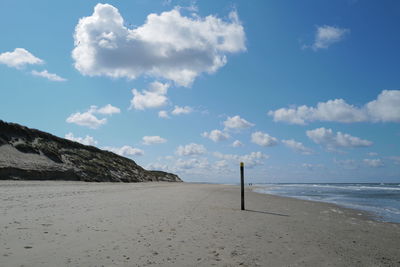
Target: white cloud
point(297, 146)
point(375, 163)
point(327, 35)
point(192, 163)
point(108, 110)
point(190, 150)
point(331, 140)
point(125, 151)
point(181, 110)
point(294, 116)
point(88, 118)
point(216, 135)
point(237, 143)
point(386, 108)
point(50, 76)
point(337, 110)
point(250, 160)
point(163, 114)
point(236, 122)
point(155, 97)
point(333, 110)
point(168, 45)
point(178, 165)
point(372, 154)
point(88, 140)
point(263, 139)
point(150, 140)
point(253, 159)
point(19, 58)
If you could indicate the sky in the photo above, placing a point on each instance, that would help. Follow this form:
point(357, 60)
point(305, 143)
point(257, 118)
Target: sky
point(300, 91)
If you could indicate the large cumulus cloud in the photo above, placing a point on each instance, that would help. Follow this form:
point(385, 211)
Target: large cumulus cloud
point(168, 45)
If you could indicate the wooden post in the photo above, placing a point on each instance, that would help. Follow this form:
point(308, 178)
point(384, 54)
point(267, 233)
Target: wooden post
point(242, 184)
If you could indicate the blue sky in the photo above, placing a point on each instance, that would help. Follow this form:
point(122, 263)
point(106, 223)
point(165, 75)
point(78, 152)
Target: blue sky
point(301, 91)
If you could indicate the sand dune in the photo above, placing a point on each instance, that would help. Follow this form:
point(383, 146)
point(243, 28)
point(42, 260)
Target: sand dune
point(56, 223)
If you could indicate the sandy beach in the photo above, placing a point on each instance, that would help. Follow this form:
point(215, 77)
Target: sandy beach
point(47, 223)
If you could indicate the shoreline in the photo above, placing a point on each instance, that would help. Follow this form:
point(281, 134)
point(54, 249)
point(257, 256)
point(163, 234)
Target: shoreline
point(368, 215)
point(375, 212)
point(57, 223)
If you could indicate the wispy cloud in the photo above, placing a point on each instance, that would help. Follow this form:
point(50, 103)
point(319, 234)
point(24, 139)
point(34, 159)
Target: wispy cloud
point(374, 163)
point(326, 36)
point(348, 164)
point(50, 76)
point(311, 167)
point(395, 159)
point(297, 146)
point(151, 140)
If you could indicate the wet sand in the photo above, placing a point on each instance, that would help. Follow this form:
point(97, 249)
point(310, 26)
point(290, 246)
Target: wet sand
point(48, 223)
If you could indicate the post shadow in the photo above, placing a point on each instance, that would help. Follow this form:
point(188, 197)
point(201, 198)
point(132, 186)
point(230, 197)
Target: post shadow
point(269, 213)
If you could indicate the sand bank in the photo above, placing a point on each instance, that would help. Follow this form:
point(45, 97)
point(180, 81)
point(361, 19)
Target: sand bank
point(86, 224)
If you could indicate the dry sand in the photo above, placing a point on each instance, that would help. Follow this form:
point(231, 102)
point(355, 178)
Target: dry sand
point(86, 224)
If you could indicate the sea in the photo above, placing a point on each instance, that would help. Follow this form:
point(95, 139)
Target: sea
point(379, 199)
